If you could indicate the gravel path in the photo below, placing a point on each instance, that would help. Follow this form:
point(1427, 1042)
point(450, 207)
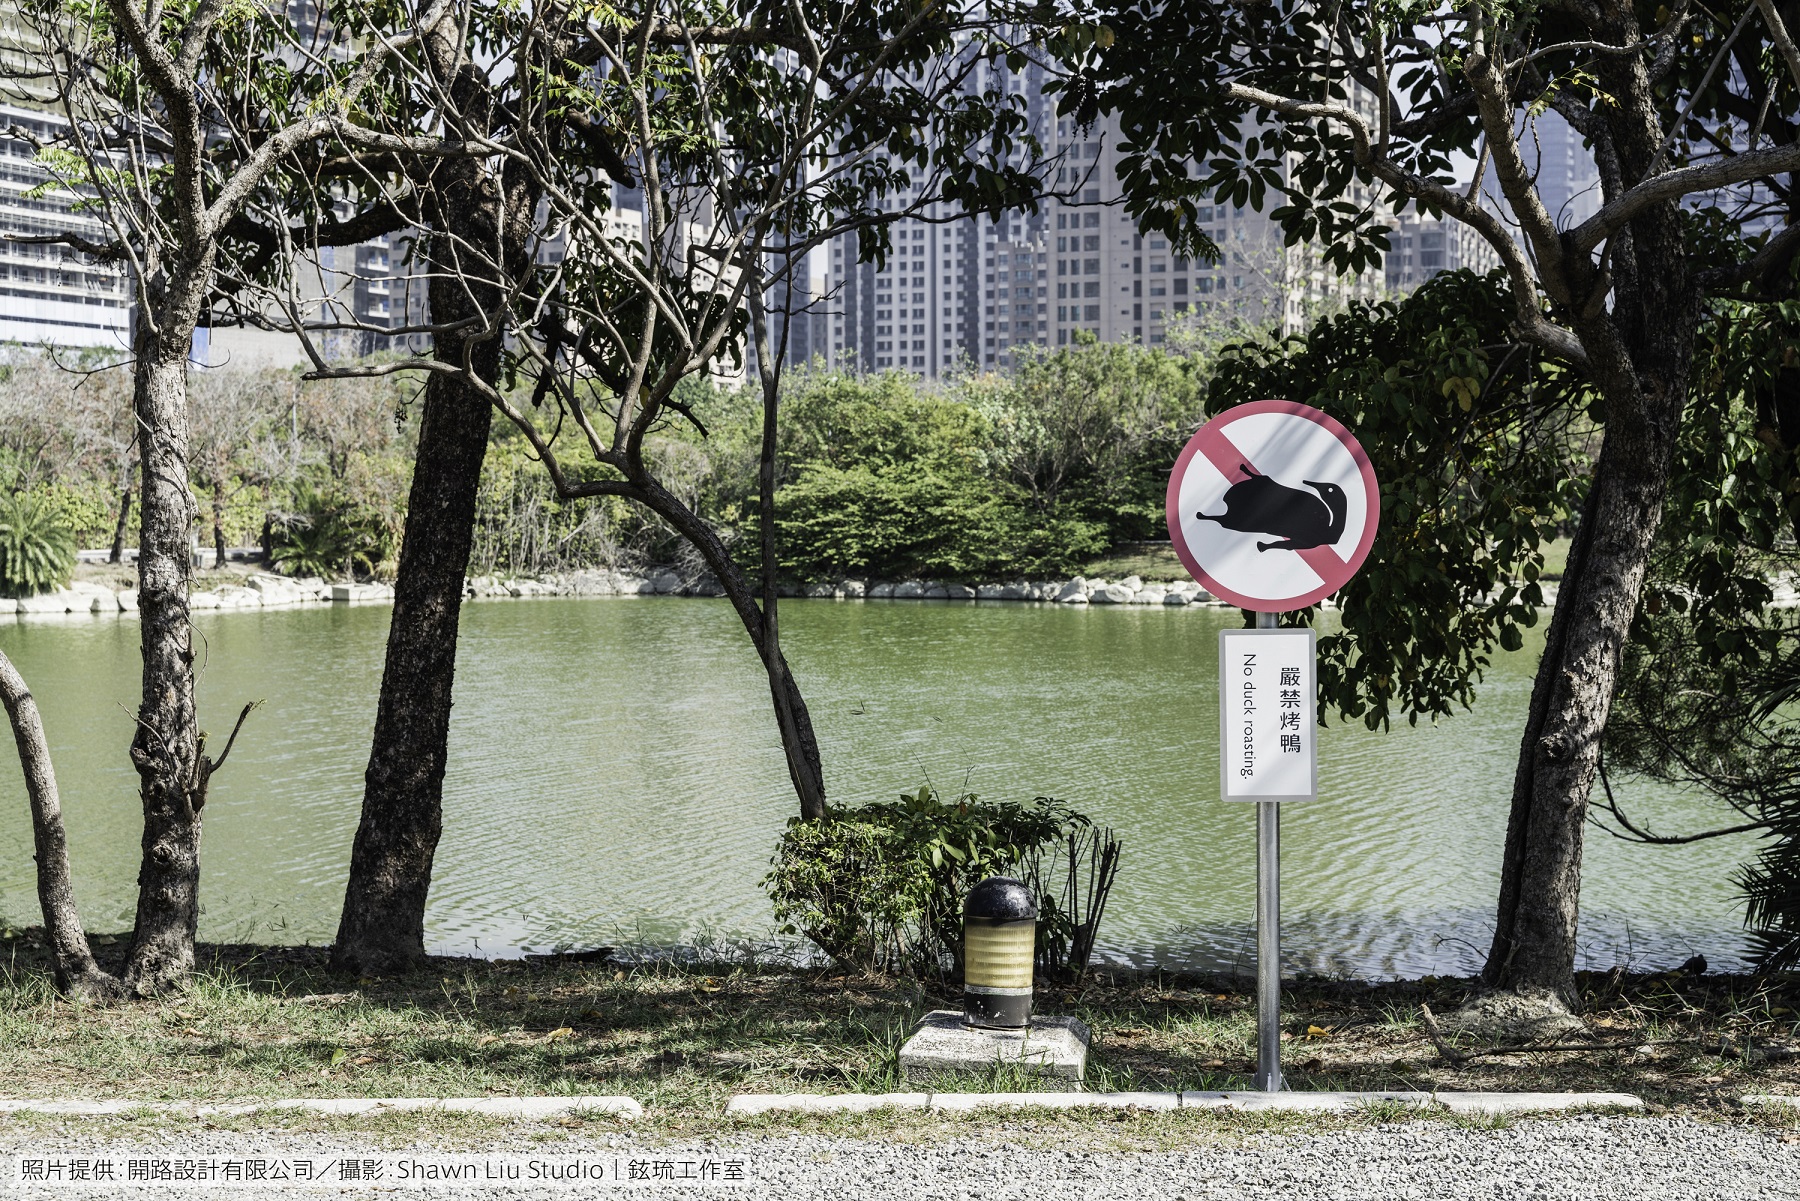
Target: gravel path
point(1581, 1159)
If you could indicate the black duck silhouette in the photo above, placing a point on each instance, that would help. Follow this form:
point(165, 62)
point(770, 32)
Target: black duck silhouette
point(1300, 520)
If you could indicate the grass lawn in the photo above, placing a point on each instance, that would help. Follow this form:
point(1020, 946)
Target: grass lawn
point(267, 1022)
point(1556, 558)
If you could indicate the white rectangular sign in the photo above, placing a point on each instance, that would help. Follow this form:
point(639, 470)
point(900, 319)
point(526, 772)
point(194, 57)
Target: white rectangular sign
point(1268, 715)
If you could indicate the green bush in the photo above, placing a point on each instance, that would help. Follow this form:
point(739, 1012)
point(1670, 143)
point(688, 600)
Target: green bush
point(37, 548)
point(837, 882)
point(886, 420)
point(1090, 430)
point(992, 477)
point(881, 886)
point(88, 512)
point(896, 522)
point(331, 536)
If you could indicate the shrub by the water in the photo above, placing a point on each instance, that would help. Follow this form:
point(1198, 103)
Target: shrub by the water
point(330, 536)
point(981, 478)
point(881, 886)
point(37, 548)
point(899, 522)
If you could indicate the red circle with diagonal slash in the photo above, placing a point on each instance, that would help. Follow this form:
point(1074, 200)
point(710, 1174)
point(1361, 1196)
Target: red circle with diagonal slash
point(1213, 443)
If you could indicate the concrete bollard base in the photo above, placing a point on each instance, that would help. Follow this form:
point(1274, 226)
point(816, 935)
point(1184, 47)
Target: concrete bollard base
point(1053, 1047)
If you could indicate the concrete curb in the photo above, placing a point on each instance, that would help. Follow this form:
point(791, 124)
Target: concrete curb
point(1321, 1102)
point(504, 1107)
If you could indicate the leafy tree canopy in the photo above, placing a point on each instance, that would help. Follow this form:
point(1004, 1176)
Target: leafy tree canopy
point(1478, 442)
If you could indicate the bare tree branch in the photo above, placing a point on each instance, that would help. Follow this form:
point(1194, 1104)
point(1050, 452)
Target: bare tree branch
point(1673, 185)
point(1784, 41)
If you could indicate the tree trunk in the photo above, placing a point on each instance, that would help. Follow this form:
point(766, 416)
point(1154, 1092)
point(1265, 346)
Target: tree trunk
point(77, 975)
point(218, 530)
point(382, 929)
point(798, 742)
point(1639, 356)
point(793, 719)
point(383, 924)
point(1534, 944)
point(118, 542)
point(166, 749)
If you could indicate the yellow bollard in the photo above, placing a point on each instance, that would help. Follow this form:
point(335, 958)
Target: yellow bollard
point(999, 938)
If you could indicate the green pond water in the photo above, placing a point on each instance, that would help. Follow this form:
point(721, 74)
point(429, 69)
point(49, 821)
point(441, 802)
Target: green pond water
point(614, 773)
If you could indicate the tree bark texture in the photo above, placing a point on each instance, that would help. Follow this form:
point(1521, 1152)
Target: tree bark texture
point(383, 924)
point(1540, 882)
point(1639, 356)
point(167, 748)
point(382, 928)
point(798, 742)
point(77, 975)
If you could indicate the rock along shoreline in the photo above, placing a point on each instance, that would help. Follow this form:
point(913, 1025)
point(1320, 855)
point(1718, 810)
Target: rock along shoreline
point(267, 590)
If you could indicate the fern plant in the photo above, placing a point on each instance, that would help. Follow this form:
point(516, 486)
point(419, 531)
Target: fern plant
point(37, 548)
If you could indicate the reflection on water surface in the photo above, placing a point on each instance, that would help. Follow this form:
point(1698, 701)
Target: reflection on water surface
point(614, 771)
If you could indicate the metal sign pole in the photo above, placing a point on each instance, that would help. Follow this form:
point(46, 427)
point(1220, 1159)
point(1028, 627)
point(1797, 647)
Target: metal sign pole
point(1271, 475)
point(1268, 931)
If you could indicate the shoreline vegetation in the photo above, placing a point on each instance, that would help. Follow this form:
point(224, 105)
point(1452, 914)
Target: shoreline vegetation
point(980, 477)
point(682, 1037)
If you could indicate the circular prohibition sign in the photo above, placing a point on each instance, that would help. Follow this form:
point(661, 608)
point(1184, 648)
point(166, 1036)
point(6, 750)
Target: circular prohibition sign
point(1273, 505)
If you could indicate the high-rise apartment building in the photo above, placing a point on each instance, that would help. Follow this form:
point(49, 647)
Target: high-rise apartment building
point(1118, 285)
point(958, 292)
point(1420, 247)
point(51, 294)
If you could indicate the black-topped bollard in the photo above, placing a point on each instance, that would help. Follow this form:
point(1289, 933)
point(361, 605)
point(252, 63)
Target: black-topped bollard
point(999, 939)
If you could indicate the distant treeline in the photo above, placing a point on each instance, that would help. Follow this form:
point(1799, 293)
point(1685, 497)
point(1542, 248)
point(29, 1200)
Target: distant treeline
point(980, 477)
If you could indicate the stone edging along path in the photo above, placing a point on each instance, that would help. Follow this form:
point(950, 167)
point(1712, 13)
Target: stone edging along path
point(748, 1105)
point(504, 1107)
point(1305, 1102)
